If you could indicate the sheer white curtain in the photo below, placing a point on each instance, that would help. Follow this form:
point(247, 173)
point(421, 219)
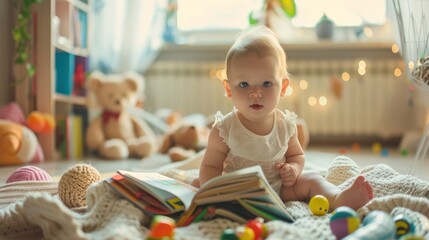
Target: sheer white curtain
point(126, 35)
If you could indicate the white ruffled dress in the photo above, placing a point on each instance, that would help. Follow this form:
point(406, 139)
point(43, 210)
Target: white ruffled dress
point(248, 149)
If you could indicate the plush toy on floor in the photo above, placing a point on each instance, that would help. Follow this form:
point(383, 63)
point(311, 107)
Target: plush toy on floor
point(115, 134)
point(14, 130)
point(18, 144)
point(184, 141)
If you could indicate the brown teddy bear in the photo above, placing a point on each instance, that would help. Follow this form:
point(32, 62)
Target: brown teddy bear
point(184, 141)
point(115, 134)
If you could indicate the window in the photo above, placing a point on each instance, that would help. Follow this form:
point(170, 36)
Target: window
point(197, 15)
point(234, 14)
point(345, 13)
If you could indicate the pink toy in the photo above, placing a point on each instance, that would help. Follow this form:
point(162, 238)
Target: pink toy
point(28, 173)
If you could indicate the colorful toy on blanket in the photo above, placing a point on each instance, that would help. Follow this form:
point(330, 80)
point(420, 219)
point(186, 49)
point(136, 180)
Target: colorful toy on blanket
point(403, 225)
point(28, 173)
point(344, 221)
point(18, 144)
point(319, 205)
point(255, 229)
point(376, 225)
point(74, 183)
point(162, 228)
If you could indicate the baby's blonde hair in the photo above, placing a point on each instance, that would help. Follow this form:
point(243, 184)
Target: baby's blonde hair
point(262, 41)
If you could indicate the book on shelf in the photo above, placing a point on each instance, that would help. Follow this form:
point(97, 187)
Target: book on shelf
point(69, 136)
point(241, 195)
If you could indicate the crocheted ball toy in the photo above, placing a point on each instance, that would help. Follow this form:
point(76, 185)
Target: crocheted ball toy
point(74, 182)
point(28, 173)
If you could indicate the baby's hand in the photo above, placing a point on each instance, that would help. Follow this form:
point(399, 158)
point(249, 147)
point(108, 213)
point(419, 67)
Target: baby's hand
point(288, 174)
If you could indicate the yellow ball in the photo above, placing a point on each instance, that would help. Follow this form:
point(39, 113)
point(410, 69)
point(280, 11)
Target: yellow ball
point(376, 147)
point(319, 205)
point(245, 233)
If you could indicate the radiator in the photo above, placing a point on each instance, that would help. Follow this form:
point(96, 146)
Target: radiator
point(377, 103)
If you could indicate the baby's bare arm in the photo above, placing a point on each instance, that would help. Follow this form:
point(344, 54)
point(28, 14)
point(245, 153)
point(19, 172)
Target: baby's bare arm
point(214, 157)
point(294, 163)
point(295, 154)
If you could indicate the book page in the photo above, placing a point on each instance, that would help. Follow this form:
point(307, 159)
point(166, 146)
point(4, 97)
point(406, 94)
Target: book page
point(239, 174)
point(159, 184)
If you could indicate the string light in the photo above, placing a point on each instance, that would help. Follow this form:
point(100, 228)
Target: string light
point(411, 65)
point(395, 48)
point(345, 76)
point(312, 101)
point(362, 66)
point(368, 32)
point(323, 101)
point(219, 73)
point(397, 72)
point(303, 84)
point(212, 73)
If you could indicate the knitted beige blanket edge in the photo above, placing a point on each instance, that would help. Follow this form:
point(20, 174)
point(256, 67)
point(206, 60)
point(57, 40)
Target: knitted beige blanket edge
point(110, 217)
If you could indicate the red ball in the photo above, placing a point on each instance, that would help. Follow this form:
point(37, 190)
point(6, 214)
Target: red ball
point(256, 226)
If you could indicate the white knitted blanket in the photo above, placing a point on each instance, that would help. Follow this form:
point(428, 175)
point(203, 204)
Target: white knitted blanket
point(42, 215)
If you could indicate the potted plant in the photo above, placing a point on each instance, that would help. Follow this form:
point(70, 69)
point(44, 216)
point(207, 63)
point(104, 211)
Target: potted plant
point(23, 39)
point(325, 27)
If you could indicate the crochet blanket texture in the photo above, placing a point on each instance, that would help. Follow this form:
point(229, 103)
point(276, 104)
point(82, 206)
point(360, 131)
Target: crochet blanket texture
point(42, 215)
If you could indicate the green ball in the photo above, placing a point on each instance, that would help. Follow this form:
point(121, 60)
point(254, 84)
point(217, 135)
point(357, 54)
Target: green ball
point(229, 234)
point(404, 152)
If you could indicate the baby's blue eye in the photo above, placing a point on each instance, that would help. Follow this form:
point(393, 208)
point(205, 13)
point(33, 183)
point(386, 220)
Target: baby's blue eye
point(267, 84)
point(243, 84)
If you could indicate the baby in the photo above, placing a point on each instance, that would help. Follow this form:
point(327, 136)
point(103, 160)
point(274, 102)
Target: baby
point(257, 133)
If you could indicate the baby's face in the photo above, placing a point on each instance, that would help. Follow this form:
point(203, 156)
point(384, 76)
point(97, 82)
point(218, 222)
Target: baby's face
point(255, 84)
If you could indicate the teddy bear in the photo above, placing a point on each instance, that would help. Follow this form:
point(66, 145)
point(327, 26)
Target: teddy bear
point(184, 141)
point(115, 134)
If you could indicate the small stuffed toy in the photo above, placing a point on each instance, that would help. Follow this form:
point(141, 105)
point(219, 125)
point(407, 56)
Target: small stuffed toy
point(184, 141)
point(13, 125)
point(18, 144)
point(115, 134)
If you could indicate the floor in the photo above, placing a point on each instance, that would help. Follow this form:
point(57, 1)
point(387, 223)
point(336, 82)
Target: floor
point(316, 158)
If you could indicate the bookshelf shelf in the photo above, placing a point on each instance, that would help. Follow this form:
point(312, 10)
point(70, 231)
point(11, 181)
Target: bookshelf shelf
point(82, 52)
point(70, 99)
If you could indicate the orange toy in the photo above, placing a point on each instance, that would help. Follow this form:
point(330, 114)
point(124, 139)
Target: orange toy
point(40, 123)
point(18, 144)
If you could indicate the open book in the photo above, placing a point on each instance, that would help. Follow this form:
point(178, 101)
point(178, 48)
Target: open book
point(239, 196)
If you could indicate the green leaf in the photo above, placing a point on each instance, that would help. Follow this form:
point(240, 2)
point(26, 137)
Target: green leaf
point(288, 7)
point(31, 70)
point(252, 20)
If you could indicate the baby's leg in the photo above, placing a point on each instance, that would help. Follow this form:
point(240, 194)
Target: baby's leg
point(355, 195)
point(310, 184)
